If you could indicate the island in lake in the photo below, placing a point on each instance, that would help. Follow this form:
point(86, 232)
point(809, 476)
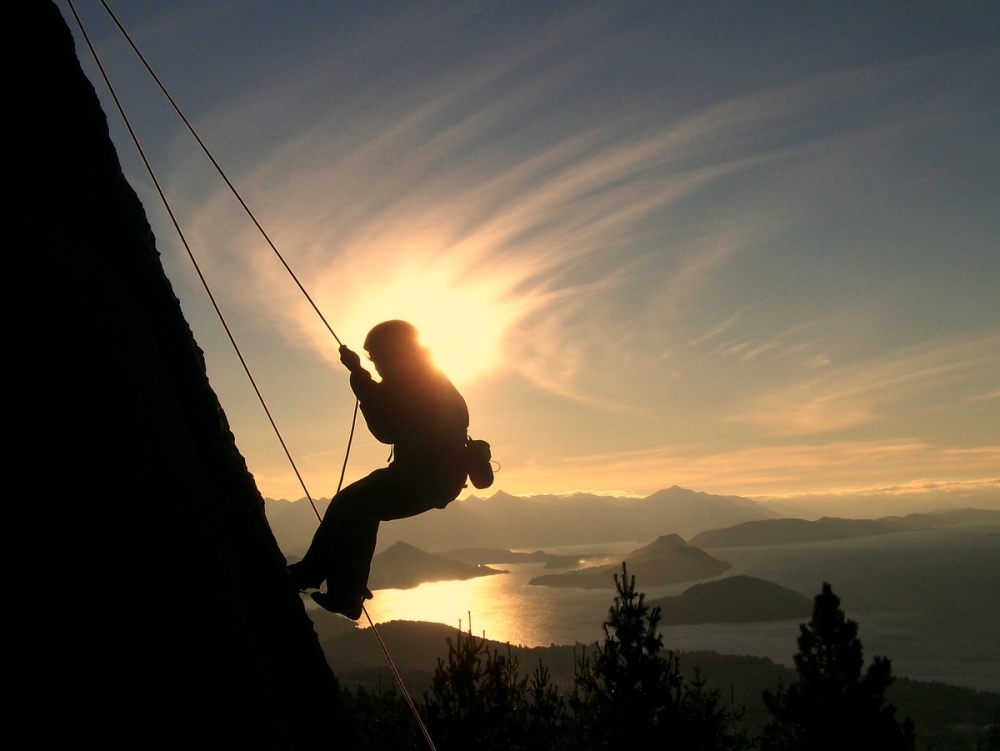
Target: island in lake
point(482, 556)
point(666, 560)
point(403, 567)
point(735, 599)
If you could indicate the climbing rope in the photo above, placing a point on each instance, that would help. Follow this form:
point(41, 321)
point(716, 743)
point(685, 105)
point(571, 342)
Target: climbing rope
point(218, 310)
point(399, 680)
point(219, 169)
point(190, 254)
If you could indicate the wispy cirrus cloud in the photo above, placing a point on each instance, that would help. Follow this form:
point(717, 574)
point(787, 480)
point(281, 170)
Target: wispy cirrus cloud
point(522, 236)
point(847, 467)
point(641, 263)
point(857, 393)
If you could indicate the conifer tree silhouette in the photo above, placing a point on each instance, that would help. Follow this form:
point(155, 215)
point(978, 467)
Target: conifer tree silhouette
point(992, 740)
point(633, 695)
point(832, 705)
point(630, 692)
point(477, 699)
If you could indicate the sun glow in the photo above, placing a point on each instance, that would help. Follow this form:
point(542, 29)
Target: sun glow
point(461, 319)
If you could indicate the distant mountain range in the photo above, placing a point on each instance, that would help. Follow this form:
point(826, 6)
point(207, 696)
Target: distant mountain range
point(667, 560)
point(787, 531)
point(506, 521)
point(735, 599)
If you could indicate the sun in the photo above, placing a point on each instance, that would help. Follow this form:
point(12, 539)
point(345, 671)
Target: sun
point(461, 320)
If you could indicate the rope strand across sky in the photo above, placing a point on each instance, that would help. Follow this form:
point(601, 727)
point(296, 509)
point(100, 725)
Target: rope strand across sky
point(744, 249)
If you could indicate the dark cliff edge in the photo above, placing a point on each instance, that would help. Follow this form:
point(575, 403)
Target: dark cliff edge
point(189, 635)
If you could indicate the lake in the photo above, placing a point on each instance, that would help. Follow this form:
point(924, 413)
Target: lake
point(928, 599)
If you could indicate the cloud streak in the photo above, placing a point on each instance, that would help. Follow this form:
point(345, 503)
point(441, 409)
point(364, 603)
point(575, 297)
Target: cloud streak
point(847, 467)
point(860, 393)
point(610, 256)
point(435, 198)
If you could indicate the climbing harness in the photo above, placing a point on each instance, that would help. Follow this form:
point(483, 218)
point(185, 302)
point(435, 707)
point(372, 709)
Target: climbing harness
point(218, 310)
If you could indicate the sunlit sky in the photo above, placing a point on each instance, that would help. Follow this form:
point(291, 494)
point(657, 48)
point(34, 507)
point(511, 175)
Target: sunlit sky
point(745, 248)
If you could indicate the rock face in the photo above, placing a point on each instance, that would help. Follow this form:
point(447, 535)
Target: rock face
point(735, 599)
point(169, 620)
point(666, 560)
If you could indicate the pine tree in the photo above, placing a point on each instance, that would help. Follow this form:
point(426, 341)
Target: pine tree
point(477, 699)
point(629, 691)
point(705, 723)
point(382, 719)
point(547, 728)
point(832, 706)
point(633, 694)
point(992, 740)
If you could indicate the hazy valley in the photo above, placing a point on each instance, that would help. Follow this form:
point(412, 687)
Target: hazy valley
point(514, 522)
point(922, 587)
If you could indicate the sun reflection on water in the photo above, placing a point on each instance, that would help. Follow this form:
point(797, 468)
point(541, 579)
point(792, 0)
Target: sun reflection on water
point(947, 638)
point(505, 606)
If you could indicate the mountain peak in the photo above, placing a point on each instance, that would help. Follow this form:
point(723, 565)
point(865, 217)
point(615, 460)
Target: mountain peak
point(661, 545)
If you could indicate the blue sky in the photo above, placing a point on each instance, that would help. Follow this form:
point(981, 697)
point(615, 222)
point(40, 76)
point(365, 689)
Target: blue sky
point(743, 248)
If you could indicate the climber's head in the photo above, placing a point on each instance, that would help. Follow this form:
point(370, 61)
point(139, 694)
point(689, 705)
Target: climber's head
point(394, 346)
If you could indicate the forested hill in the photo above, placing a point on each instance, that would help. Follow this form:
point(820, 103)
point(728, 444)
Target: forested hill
point(786, 531)
point(666, 560)
point(403, 566)
point(735, 599)
point(946, 716)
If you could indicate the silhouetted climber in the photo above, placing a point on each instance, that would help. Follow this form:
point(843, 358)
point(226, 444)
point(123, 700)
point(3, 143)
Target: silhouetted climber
point(417, 410)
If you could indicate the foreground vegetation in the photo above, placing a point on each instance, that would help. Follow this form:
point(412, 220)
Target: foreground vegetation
point(628, 690)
